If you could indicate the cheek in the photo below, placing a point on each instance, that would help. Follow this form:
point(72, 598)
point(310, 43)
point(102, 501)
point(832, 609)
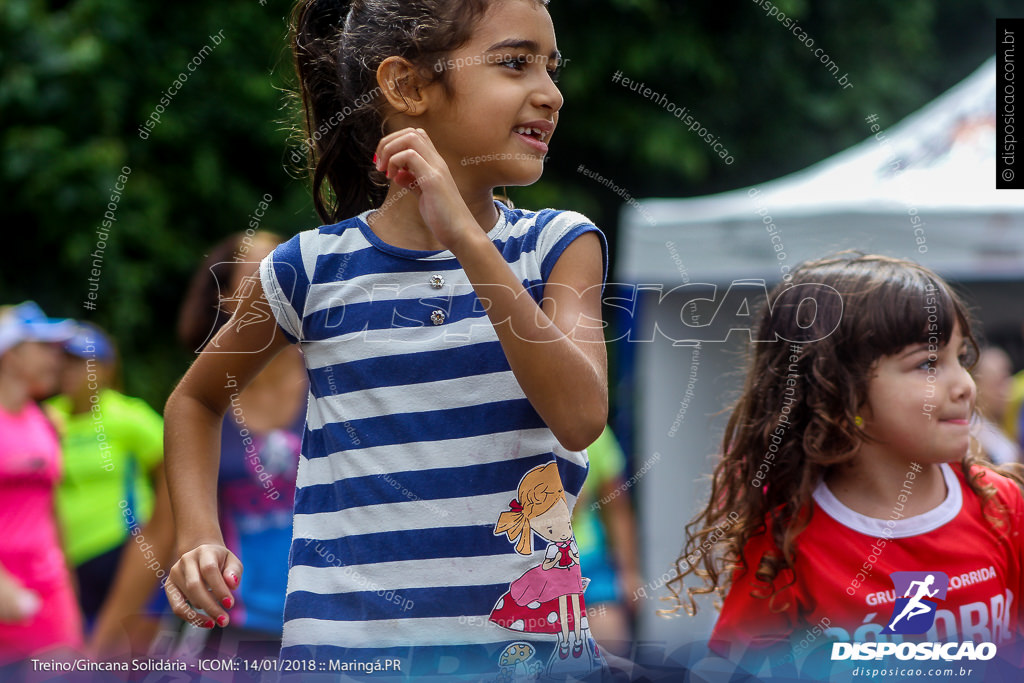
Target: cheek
point(485, 127)
point(30, 365)
point(898, 393)
point(42, 378)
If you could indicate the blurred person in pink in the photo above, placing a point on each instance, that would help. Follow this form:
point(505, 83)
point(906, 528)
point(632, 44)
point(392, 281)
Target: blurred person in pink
point(38, 610)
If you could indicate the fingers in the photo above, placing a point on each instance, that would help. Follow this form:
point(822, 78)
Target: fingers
point(410, 170)
point(231, 574)
point(180, 604)
point(393, 154)
point(410, 135)
point(201, 582)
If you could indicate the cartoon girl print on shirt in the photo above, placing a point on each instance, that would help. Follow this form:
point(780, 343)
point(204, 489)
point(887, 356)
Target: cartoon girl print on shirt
point(549, 597)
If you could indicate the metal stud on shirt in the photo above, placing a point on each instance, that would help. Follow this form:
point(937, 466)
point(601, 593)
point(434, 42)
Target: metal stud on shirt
point(437, 281)
point(437, 317)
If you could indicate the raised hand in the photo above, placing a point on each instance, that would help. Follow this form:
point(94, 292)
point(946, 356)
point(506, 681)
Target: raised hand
point(411, 160)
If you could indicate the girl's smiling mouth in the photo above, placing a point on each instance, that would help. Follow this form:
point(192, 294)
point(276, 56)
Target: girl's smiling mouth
point(535, 133)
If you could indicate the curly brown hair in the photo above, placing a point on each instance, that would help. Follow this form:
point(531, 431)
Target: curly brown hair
point(797, 409)
point(337, 48)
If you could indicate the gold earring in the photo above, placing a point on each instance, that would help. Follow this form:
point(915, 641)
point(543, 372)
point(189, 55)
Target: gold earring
point(858, 420)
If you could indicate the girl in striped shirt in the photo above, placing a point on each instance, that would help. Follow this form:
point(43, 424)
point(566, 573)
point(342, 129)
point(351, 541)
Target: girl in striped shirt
point(453, 346)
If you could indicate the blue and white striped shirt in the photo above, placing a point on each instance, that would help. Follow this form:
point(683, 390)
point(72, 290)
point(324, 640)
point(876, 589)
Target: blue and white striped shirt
point(417, 436)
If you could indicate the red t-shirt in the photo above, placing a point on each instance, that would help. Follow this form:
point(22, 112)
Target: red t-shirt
point(983, 564)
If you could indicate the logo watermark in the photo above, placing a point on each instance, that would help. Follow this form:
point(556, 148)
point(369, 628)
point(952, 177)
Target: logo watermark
point(102, 235)
point(681, 113)
point(915, 611)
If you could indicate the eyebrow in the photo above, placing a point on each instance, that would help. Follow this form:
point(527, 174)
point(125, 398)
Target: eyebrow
point(917, 348)
point(522, 43)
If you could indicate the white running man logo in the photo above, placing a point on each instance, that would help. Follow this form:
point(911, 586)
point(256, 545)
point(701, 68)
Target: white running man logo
point(914, 606)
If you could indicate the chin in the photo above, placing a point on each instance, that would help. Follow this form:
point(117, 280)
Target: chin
point(523, 176)
point(957, 455)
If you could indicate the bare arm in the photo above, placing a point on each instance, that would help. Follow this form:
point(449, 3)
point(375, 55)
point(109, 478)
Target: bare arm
point(192, 421)
point(618, 518)
point(556, 351)
point(136, 573)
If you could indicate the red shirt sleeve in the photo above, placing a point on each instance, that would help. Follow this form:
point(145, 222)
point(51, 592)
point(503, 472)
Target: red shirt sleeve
point(750, 621)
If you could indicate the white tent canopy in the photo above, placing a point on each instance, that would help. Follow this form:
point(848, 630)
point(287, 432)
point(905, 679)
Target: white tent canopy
point(934, 171)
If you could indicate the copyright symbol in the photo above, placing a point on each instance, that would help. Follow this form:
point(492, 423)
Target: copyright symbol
point(1007, 174)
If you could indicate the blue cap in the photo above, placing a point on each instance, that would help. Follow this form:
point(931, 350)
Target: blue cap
point(90, 342)
point(27, 322)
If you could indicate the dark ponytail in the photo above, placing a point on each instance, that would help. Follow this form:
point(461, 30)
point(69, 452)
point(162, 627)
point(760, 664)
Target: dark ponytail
point(337, 48)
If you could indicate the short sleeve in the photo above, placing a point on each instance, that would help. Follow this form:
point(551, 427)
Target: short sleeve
point(559, 229)
point(552, 552)
point(285, 274)
point(747, 620)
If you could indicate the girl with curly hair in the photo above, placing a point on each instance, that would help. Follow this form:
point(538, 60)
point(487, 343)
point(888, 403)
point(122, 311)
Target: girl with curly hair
point(846, 460)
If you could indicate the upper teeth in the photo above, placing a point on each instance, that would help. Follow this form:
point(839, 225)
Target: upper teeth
point(530, 131)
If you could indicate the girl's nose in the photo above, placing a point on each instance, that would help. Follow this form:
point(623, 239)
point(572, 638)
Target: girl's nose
point(547, 95)
point(963, 385)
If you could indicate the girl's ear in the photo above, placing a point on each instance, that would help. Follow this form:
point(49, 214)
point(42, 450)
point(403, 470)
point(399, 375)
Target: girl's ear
point(402, 86)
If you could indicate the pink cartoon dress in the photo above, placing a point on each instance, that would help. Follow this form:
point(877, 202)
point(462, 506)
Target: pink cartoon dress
point(542, 585)
point(547, 598)
point(531, 603)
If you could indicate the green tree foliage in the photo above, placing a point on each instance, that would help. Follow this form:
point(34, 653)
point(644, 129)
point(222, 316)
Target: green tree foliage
point(78, 79)
point(76, 84)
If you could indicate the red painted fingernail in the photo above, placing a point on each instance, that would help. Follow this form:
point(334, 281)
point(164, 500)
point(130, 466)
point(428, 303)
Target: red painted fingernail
point(234, 577)
point(387, 174)
point(227, 603)
point(208, 624)
point(375, 159)
point(222, 620)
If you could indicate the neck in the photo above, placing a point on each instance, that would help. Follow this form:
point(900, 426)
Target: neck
point(873, 486)
point(400, 223)
point(80, 403)
point(13, 394)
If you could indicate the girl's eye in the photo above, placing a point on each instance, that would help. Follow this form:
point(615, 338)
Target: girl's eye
point(520, 62)
point(516, 63)
point(925, 364)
